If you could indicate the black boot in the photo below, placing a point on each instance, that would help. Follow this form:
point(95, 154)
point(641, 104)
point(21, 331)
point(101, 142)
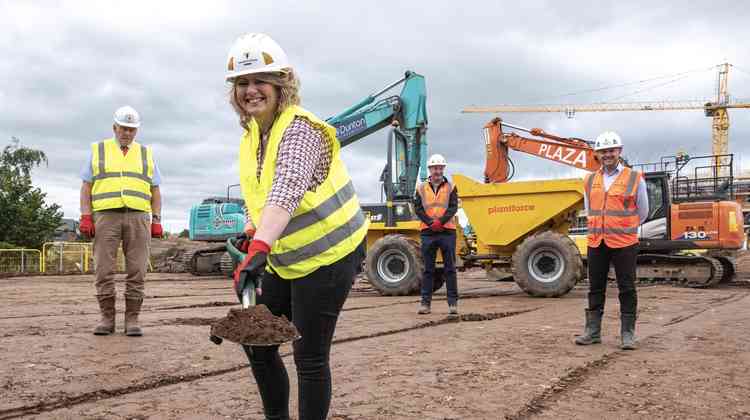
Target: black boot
point(593, 332)
point(627, 331)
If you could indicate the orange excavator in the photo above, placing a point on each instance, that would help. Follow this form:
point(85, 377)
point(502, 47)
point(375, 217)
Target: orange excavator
point(693, 225)
point(499, 166)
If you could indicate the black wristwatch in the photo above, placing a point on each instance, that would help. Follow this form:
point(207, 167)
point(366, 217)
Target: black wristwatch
point(156, 217)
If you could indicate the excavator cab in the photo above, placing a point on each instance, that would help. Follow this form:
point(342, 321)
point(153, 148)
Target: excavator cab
point(691, 205)
point(656, 225)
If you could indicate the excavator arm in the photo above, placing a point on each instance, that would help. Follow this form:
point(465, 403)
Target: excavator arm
point(406, 114)
point(499, 167)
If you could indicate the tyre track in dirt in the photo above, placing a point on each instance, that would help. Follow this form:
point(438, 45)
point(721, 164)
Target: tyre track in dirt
point(79, 277)
point(576, 377)
point(203, 321)
point(225, 303)
point(166, 308)
point(162, 381)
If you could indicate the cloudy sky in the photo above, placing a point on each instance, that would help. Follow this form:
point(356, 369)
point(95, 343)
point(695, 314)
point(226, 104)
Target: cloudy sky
point(68, 65)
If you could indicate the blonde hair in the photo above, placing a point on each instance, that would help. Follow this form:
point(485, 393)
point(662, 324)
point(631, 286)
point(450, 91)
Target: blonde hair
point(287, 85)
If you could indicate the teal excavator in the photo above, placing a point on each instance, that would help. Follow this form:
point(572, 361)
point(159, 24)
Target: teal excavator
point(404, 114)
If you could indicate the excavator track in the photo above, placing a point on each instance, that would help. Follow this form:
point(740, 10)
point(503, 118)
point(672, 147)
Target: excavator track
point(226, 264)
point(693, 271)
point(205, 262)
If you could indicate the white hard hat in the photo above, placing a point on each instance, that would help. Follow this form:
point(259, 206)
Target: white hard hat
point(607, 140)
point(255, 53)
point(126, 116)
point(436, 160)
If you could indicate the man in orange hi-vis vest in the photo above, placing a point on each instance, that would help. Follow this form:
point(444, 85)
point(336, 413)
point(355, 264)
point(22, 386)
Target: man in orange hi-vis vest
point(436, 203)
point(617, 204)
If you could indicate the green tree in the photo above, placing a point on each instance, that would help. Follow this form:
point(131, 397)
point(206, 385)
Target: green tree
point(27, 220)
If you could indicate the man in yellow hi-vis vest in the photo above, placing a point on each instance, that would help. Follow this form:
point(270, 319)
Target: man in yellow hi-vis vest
point(121, 203)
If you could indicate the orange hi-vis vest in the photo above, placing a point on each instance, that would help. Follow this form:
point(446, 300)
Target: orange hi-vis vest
point(436, 203)
point(613, 214)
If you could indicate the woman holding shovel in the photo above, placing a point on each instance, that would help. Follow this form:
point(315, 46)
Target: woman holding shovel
point(308, 245)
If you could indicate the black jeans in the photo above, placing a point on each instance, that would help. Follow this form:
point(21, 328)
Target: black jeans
point(313, 304)
point(446, 242)
point(624, 261)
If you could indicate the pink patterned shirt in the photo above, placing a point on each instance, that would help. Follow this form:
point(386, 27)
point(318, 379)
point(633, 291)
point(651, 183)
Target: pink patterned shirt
point(302, 164)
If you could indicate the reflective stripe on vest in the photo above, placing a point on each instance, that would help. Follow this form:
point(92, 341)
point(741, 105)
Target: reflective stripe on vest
point(320, 212)
point(435, 203)
point(121, 180)
point(612, 214)
point(328, 223)
point(320, 245)
point(615, 231)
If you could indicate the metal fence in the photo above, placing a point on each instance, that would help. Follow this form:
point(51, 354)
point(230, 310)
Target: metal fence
point(69, 257)
point(66, 257)
point(55, 258)
point(20, 261)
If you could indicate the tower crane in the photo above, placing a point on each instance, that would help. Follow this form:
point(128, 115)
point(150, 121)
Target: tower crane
point(716, 109)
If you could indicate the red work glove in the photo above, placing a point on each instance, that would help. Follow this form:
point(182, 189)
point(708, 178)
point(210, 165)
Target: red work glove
point(248, 273)
point(156, 230)
point(87, 226)
point(436, 226)
point(241, 242)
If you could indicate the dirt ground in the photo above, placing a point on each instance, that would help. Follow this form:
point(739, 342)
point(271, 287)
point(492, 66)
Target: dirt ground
point(509, 356)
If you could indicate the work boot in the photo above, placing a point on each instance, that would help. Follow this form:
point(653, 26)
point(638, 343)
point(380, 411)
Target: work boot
point(107, 308)
point(627, 331)
point(593, 332)
point(424, 309)
point(453, 309)
point(132, 309)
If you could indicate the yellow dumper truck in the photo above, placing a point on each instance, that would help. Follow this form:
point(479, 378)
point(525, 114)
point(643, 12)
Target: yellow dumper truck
point(524, 226)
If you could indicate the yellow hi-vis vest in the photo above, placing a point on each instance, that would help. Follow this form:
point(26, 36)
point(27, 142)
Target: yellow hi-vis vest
point(328, 223)
point(121, 181)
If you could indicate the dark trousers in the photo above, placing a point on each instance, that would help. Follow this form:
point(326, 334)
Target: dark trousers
point(624, 261)
point(313, 304)
point(445, 241)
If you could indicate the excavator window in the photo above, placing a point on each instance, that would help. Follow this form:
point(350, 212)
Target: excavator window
point(657, 205)
point(656, 225)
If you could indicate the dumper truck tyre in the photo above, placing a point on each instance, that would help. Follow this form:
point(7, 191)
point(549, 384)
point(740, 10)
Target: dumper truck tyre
point(438, 280)
point(547, 264)
point(394, 265)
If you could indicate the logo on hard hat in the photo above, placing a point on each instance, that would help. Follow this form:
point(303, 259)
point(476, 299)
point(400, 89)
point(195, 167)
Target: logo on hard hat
point(230, 66)
point(247, 61)
point(267, 58)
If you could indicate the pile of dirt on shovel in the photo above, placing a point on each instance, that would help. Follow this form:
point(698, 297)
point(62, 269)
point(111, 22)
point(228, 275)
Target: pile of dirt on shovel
point(255, 325)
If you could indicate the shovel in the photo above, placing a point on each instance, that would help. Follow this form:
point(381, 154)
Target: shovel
point(256, 325)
